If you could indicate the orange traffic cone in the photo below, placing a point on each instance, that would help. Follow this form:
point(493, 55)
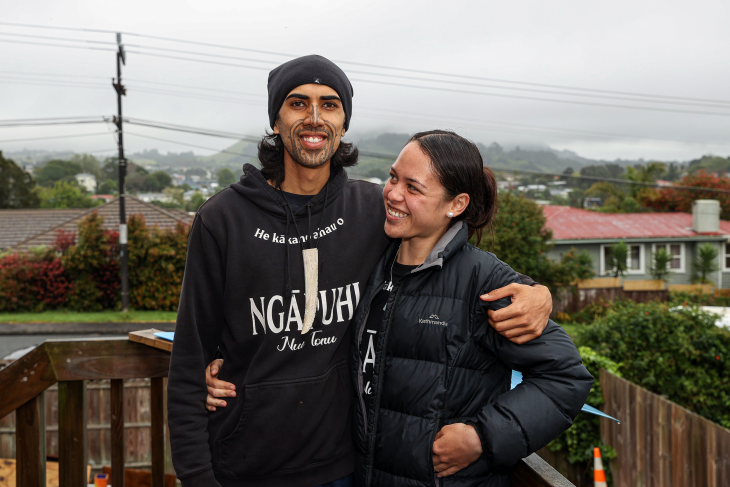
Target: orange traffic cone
point(599, 475)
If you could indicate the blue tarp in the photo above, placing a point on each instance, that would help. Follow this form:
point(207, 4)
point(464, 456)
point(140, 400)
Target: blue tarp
point(516, 379)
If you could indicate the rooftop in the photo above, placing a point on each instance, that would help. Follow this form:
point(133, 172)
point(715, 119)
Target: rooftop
point(568, 223)
point(23, 229)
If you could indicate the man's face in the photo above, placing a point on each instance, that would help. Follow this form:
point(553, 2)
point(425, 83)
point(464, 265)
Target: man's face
point(311, 123)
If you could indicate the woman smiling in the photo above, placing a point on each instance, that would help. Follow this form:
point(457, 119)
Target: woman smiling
point(434, 403)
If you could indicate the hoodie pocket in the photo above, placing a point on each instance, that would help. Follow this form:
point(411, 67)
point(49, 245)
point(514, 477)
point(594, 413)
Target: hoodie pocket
point(290, 425)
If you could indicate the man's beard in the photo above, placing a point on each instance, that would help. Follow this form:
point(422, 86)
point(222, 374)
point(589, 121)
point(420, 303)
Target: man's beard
point(311, 159)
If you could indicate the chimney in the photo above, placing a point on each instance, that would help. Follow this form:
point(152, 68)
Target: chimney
point(706, 216)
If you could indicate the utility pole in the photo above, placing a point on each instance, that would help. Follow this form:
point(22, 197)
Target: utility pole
point(121, 91)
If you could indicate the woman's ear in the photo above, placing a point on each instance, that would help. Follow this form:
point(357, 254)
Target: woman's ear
point(458, 205)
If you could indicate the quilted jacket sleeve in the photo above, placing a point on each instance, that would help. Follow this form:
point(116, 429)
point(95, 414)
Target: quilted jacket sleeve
point(555, 385)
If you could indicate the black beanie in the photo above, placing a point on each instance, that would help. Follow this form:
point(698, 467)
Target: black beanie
point(304, 70)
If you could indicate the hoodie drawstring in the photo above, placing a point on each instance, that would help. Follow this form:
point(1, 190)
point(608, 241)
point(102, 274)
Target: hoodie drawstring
point(287, 210)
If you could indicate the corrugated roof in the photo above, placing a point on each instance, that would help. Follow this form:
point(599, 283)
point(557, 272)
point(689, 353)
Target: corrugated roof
point(19, 225)
point(153, 215)
point(569, 223)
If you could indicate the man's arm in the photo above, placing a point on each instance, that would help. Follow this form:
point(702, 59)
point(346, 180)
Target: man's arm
point(526, 318)
point(199, 325)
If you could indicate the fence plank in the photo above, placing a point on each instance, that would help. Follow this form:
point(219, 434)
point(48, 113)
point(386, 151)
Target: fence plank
point(31, 443)
point(72, 414)
point(117, 433)
point(157, 431)
point(659, 443)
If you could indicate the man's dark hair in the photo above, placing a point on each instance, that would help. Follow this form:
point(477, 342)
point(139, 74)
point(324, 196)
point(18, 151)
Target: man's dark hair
point(271, 156)
point(460, 169)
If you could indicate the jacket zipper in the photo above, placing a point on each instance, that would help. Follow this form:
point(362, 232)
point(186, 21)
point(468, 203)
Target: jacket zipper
point(376, 398)
point(438, 482)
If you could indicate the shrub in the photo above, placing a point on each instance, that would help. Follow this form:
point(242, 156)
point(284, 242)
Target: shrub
point(677, 352)
point(156, 264)
point(93, 265)
point(33, 281)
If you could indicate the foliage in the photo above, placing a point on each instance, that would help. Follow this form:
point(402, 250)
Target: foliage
point(617, 258)
point(593, 311)
point(673, 199)
point(196, 201)
point(16, 186)
point(710, 163)
point(93, 265)
point(578, 441)
point(659, 265)
point(89, 164)
point(705, 262)
point(84, 275)
point(677, 352)
point(57, 170)
point(65, 194)
point(225, 177)
point(156, 264)
point(677, 298)
point(32, 281)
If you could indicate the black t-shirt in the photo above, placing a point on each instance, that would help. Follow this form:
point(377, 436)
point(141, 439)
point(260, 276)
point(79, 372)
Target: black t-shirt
point(372, 328)
point(296, 201)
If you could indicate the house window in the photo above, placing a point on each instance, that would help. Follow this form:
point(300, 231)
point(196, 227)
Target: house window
point(676, 250)
point(727, 256)
point(634, 259)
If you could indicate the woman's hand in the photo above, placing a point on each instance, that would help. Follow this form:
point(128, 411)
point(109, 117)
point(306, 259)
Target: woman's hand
point(457, 446)
point(217, 388)
point(526, 318)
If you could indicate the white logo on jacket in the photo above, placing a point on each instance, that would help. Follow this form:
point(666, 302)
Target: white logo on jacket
point(433, 320)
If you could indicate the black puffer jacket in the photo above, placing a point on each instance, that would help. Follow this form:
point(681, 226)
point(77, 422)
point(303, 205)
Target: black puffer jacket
point(444, 364)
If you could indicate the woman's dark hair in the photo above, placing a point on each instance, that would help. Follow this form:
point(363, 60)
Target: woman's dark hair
point(271, 156)
point(460, 169)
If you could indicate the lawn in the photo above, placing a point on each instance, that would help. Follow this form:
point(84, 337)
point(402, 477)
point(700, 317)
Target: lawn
point(88, 317)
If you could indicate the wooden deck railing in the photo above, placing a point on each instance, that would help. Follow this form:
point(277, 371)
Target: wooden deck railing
point(72, 362)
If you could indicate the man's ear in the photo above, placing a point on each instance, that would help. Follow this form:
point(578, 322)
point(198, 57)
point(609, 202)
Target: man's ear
point(276, 125)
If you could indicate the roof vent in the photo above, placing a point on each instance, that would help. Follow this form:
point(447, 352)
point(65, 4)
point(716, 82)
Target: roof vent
point(706, 216)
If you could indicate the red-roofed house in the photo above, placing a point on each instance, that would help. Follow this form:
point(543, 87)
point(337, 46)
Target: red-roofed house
point(680, 233)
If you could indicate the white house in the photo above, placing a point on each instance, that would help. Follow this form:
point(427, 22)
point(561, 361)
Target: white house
point(86, 181)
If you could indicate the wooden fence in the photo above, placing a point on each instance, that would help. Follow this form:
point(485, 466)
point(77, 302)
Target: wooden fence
point(659, 443)
point(571, 301)
point(136, 425)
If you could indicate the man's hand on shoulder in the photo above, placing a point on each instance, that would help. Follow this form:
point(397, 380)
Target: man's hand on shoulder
point(526, 318)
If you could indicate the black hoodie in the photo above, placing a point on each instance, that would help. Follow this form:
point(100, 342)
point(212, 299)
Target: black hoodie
point(243, 293)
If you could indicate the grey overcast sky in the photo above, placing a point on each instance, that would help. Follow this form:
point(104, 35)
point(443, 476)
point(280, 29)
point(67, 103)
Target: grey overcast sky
point(661, 48)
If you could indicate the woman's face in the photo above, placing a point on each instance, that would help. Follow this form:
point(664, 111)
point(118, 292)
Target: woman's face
point(414, 198)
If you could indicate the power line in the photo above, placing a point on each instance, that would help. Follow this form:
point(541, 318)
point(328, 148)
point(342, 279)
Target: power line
point(11, 41)
point(54, 137)
point(38, 124)
point(380, 66)
point(189, 144)
point(30, 36)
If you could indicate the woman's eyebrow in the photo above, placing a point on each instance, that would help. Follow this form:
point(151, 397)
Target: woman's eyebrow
point(416, 181)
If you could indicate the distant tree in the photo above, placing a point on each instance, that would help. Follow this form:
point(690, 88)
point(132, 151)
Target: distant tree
point(225, 177)
point(57, 170)
point(705, 262)
point(659, 266)
point(16, 186)
point(521, 239)
point(195, 201)
point(196, 171)
point(65, 194)
point(108, 187)
point(644, 173)
point(89, 164)
point(157, 181)
point(177, 196)
point(673, 199)
point(568, 171)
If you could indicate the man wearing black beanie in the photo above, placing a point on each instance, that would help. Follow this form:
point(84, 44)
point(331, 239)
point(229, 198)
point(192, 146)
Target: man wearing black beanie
point(275, 267)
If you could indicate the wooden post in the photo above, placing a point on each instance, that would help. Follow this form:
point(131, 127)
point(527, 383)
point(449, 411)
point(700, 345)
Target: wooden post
point(72, 412)
point(30, 434)
point(117, 416)
point(157, 431)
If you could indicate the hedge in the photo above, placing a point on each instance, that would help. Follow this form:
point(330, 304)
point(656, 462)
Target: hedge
point(80, 271)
